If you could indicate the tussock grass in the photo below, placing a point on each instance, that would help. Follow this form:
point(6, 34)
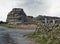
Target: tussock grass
point(46, 34)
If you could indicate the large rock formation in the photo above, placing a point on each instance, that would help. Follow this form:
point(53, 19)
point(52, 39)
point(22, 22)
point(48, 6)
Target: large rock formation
point(40, 17)
point(16, 15)
point(49, 18)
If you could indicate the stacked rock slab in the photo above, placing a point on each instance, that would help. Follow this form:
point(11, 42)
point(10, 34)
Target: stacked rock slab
point(17, 15)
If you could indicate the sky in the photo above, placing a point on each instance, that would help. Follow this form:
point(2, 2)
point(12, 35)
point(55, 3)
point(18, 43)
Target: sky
point(31, 7)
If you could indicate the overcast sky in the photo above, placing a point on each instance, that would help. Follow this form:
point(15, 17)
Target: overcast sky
point(31, 7)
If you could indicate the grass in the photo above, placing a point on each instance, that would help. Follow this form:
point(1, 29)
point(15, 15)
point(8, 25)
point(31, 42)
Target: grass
point(39, 36)
point(7, 25)
point(43, 40)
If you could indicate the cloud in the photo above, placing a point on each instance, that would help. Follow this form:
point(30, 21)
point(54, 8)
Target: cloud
point(31, 7)
point(5, 7)
point(36, 7)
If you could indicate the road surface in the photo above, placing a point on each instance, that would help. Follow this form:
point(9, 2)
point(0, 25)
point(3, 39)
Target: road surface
point(14, 36)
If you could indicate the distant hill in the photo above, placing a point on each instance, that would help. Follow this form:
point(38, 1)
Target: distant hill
point(40, 17)
point(1, 22)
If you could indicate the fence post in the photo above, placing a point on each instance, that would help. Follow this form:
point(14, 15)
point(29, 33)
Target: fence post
point(45, 20)
point(53, 21)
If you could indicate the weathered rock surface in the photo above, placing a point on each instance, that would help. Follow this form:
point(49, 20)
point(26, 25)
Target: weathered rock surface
point(16, 15)
point(40, 17)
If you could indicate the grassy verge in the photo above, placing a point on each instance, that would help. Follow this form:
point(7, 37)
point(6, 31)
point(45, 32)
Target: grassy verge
point(36, 37)
point(47, 35)
point(7, 25)
point(43, 40)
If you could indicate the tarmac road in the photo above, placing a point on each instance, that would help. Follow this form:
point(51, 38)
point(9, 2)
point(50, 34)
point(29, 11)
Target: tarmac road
point(14, 36)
